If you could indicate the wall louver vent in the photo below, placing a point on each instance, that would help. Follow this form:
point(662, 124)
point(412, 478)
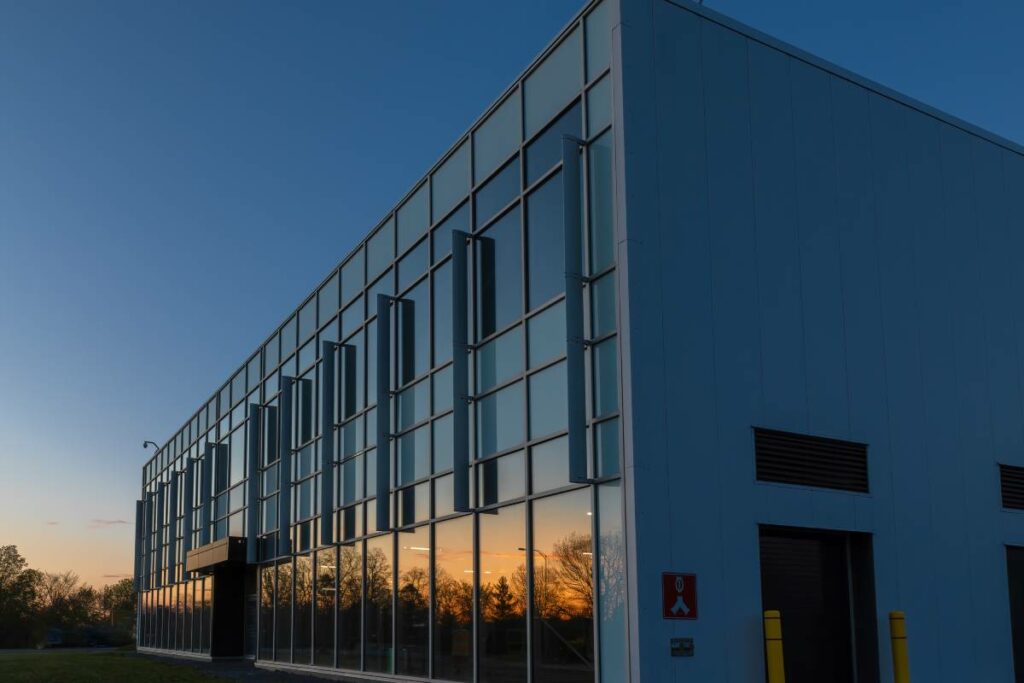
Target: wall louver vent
point(1011, 481)
point(812, 461)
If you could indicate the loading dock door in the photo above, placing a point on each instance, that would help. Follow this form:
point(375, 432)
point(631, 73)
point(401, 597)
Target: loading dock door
point(822, 584)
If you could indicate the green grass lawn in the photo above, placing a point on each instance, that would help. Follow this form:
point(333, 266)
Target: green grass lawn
point(113, 667)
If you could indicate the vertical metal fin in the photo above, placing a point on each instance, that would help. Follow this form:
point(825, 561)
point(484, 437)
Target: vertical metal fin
point(140, 516)
point(147, 544)
point(460, 369)
point(172, 524)
point(383, 411)
point(327, 394)
point(252, 513)
point(286, 422)
point(205, 484)
point(161, 501)
point(572, 225)
point(186, 522)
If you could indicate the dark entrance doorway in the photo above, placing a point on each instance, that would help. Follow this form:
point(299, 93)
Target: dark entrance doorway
point(1015, 574)
point(822, 582)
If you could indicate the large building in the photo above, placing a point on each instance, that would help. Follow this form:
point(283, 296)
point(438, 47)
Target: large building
point(768, 356)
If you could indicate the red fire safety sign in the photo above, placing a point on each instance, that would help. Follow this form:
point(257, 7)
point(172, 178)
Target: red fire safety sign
point(678, 596)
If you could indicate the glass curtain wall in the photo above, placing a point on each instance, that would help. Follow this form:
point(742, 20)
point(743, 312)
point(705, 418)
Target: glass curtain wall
point(511, 588)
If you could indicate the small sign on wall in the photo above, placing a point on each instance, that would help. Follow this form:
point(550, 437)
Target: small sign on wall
point(678, 595)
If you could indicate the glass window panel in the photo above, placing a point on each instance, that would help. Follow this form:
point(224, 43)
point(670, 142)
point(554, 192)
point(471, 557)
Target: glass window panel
point(545, 242)
point(327, 299)
point(599, 106)
point(563, 589)
point(351, 385)
point(307, 354)
point(270, 514)
point(413, 603)
point(283, 631)
point(547, 338)
point(442, 237)
point(303, 629)
point(236, 525)
point(502, 586)
point(351, 437)
point(499, 360)
point(350, 592)
point(444, 496)
point(611, 569)
point(546, 151)
point(498, 193)
point(602, 226)
point(352, 317)
point(442, 390)
point(326, 574)
point(450, 182)
point(237, 456)
point(307, 319)
point(413, 334)
point(414, 504)
point(288, 341)
point(236, 499)
point(253, 374)
point(384, 285)
point(550, 465)
point(499, 275)
point(443, 443)
point(353, 277)
point(304, 499)
point(453, 599)
point(413, 404)
point(496, 138)
point(442, 329)
point(501, 479)
point(606, 380)
point(379, 640)
point(548, 398)
point(606, 443)
point(352, 480)
point(414, 455)
point(500, 420)
point(272, 353)
point(380, 250)
point(599, 38)
point(602, 306)
point(553, 83)
point(413, 217)
point(412, 265)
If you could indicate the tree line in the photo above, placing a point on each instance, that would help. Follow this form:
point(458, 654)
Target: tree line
point(49, 609)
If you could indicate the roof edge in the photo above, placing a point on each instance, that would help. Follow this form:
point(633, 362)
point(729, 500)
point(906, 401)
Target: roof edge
point(846, 74)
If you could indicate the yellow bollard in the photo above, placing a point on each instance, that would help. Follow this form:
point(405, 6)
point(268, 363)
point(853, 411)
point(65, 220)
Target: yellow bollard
point(773, 646)
point(898, 635)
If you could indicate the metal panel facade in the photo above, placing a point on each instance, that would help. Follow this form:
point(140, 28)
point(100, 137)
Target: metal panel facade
point(838, 262)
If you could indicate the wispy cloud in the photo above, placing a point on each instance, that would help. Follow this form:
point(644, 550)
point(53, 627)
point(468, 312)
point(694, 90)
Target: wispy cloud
point(51, 522)
point(104, 523)
point(116, 576)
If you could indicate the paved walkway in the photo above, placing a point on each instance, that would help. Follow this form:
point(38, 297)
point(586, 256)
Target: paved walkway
point(244, 670)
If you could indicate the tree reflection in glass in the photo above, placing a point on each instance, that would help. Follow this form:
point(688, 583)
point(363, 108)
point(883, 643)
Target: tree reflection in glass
point(350, 597)
point(266, 647)
point(283, 631)
point(413, 601)
point(563, 589)
point(379, 638)
point(502, 605)
point(303, 625)
point(323, 632)
point(453, 599)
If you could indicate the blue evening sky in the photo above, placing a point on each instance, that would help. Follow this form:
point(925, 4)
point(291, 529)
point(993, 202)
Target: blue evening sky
point(175, 176)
